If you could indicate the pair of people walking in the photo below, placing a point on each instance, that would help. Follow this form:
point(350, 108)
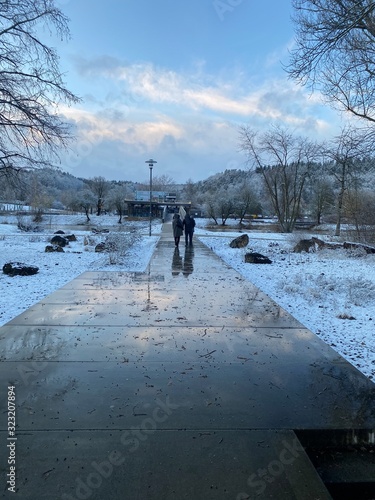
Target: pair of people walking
point(179, 226)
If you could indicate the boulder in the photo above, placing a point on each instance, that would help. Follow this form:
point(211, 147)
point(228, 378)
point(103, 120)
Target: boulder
point(19, 269)
point(366, 248)
point(59, 240)
point(69, 237)
point(53, 248)
point(101, 247)
point(240, 242)
point(256, 258)
point(305, 246)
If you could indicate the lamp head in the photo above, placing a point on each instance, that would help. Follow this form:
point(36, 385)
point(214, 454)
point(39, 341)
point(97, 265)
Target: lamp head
point(150, 162)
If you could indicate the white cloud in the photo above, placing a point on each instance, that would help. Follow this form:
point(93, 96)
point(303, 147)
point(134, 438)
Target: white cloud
point(115, 126)
point(202, 135)
point(182, 118)
point(235, 97)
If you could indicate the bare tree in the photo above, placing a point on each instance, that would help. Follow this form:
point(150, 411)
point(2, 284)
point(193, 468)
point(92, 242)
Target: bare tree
point(31, 85)
point(359, 206)
point(211, 207)
point(190, 191)
point(100, 188)
point(163, 182)
point(348, 153)
point(219, 204)
point(284, 161)
point(83, 200)
point(322, 198)
point(225, 205)
point(159, 183)
point(38, 198)
point(246, 202)
point(118, 197)
point(335, 52)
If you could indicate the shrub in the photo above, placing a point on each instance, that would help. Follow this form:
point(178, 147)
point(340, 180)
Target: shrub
point(118, 245)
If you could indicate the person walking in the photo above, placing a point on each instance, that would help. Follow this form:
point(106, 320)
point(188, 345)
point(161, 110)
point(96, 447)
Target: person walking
point(177, 226)
point(189, 225)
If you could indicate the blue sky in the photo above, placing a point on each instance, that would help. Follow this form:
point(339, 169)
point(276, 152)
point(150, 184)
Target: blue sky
point(172, 80)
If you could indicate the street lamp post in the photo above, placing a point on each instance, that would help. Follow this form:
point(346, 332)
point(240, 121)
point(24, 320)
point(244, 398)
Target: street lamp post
point(150, 164)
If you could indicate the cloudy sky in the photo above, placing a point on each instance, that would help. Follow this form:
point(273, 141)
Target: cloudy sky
point(173, 80)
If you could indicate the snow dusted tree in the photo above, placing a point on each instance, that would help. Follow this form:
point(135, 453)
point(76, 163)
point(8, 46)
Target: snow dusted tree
point(285, 161)
point(38, 198)
point(84, 200)
point(220, 204)
point(117, 199)
point(211, 208)
point(335, 52)
point(190, 191)
point(100, 188)
point(348, 152)
point(226, 205)
point(359, 207)
point(31, 85)
point(322, 197)
point(162, 182)
point(159, 183)
point(246, 202)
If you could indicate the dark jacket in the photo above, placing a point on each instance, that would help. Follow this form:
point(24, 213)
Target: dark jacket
point(189, 224)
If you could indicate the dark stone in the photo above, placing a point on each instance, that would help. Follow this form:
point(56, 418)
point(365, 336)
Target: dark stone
point(59, 240)
point(71, 237)
point(305, 246)
point(256, 258)
point(19, 269)
point(59, 232)
point(240, 242)
point(351, 246)
point(101, 247)
point(53, 248)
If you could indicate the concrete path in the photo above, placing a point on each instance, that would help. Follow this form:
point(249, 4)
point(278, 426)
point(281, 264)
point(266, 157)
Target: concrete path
point(183, 382)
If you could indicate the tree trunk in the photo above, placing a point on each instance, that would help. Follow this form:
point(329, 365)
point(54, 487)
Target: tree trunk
point(340, 202)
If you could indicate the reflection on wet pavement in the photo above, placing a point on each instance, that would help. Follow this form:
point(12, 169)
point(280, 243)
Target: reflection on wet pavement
point(176, 262)
point(183, 265)
point(188, 267)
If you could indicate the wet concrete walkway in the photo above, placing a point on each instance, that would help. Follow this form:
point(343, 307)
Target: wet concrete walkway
point(183, 382)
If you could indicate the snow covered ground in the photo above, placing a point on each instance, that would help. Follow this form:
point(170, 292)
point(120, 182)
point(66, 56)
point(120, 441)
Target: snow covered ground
point(322, 289)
